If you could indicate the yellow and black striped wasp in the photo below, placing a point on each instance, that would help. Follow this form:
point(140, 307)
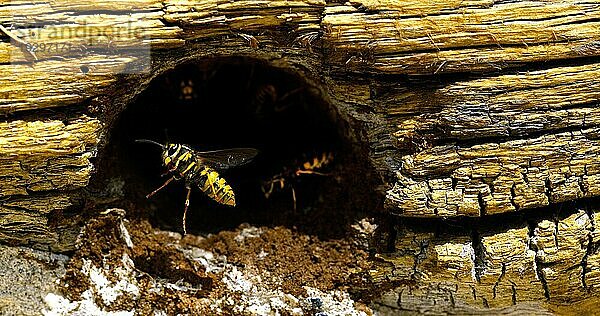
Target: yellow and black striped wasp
point(200, 168)
point(289, 176)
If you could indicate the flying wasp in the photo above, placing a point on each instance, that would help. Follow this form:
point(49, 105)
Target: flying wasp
point(200, 168)
point(289, 176)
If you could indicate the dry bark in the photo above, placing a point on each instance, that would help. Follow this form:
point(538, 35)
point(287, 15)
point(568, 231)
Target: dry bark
point(538, 262)
point(465, 109)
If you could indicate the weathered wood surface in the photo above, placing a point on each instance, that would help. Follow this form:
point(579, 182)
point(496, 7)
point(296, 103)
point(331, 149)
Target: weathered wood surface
point(539, 144)
point(426, 37)
point(545, 261)
point(468, 108)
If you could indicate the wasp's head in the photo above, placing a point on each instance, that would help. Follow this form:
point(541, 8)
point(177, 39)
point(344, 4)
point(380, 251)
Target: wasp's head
point(169, 153)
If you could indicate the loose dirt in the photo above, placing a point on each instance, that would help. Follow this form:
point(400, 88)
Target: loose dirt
point(249, 270)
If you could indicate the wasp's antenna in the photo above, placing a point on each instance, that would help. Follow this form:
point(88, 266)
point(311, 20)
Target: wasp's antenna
point(147, 141)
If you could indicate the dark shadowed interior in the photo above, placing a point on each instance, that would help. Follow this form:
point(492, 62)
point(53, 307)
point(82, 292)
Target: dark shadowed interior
point(233, 103)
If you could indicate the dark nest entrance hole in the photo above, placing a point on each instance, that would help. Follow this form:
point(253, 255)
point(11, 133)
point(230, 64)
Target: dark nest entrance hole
point(231, 103)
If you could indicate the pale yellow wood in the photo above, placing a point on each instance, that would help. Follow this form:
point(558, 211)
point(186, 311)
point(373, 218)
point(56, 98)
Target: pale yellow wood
point(462, 37)
point(56, 83)
point(497, 178)
point(548, 263)
point(562, 247)
point(46, 155)
point(489, 140)
point(503, 176)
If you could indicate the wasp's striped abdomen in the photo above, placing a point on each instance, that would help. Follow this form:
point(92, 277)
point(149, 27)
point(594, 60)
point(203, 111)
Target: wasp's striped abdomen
point(215, 187)
point(181, 159)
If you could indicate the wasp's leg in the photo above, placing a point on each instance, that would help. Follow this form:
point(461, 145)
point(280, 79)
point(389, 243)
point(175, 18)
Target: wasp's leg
point(160, 188)
point(169, 170)
point(266, 192)
point(299, 172)
point(281, 183)
point(293, 197)
point(271, 185)
point(187, 204)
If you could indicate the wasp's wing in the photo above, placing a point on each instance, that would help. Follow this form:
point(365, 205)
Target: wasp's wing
point(227, 158)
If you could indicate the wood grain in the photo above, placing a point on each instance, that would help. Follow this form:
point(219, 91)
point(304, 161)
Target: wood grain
point(490, 270)
point(463, 108)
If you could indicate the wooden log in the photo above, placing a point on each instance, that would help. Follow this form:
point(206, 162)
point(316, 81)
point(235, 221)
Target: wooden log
point(462, 109)
point(429, 38)
point(449, 270)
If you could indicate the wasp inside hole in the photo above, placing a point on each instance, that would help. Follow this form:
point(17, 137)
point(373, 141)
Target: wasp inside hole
point(267, 100)
point(200, 168)
point(289, 176)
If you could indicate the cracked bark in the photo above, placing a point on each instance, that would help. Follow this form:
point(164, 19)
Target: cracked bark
point(548, 261)
point(466, 109)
